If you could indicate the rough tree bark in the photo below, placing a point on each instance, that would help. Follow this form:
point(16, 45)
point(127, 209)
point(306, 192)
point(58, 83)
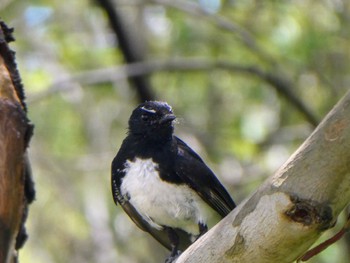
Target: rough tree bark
point(287, 214)
point(16, 186)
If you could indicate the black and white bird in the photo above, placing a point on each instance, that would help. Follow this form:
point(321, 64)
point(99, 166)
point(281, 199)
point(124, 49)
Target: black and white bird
point(162, 184)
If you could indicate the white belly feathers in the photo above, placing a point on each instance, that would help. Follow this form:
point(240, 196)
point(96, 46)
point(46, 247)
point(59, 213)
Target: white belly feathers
point(161, 203)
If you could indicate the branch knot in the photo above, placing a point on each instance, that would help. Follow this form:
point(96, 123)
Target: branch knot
point(308, 213)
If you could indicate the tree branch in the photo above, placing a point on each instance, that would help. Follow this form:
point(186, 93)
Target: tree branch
point(280, 83)
point(129, 45)
point(286, 214)
point(220, 22)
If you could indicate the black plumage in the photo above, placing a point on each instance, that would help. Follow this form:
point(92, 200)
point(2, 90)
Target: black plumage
point(161, 183)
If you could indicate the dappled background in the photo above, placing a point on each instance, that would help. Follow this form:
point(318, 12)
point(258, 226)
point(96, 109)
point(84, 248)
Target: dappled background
point(248, 80)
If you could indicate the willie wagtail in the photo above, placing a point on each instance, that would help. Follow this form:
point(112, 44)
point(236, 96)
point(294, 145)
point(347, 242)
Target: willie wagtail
point(162, 184)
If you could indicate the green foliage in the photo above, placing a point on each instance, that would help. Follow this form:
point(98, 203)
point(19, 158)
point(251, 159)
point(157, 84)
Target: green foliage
point(237, 121)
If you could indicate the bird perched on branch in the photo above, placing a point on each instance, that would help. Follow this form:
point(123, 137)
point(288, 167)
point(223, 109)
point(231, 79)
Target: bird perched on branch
point(162, 184)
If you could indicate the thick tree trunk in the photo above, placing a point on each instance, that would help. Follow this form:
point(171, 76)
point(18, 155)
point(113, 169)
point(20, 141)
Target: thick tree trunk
point(12, 146)
point(16, 188)
point(287, 214)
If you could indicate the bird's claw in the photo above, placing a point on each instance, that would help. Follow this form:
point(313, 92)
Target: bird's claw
point(173, 256)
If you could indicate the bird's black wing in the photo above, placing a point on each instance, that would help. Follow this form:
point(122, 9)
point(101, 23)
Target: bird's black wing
point(160, 235)
point(194, 172)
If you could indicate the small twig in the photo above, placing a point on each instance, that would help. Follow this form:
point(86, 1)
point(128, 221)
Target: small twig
point(316, 250)
point(321, 247)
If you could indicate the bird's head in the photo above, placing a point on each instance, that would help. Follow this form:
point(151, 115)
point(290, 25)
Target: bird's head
point(152, 119)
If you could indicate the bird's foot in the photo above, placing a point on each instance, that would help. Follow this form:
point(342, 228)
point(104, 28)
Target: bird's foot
point(173, 256)
point(203, 228)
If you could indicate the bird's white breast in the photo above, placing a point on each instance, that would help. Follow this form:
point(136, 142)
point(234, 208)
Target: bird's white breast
point(161, 203)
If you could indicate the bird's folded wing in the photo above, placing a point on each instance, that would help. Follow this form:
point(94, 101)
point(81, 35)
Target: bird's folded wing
point(194, 172)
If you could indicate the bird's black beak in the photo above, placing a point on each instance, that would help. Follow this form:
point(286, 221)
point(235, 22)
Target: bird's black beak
point(167, 118)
